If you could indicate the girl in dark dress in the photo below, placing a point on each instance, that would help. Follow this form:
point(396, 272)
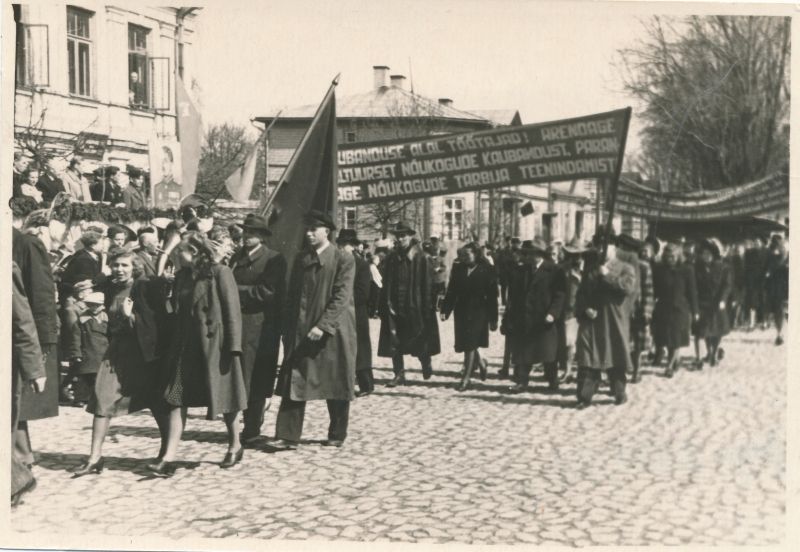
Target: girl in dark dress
point(472, 297)
point(714, 285)
point(676, 304)
point(126, 377)
point(203, 367)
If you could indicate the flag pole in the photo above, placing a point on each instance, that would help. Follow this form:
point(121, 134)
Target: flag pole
point(293, 160)
point(612, 200)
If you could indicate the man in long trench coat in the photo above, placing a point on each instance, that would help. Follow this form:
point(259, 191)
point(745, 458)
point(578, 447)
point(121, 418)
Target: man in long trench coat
point(260, 275)
point(408, 309)
point(319, 340)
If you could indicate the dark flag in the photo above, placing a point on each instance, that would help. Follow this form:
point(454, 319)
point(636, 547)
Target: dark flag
point(309, 182)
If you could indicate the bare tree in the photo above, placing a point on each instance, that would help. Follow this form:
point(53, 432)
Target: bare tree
point(715, 93)
point(224, 148)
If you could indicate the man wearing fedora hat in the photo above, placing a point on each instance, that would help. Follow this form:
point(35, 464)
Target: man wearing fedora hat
point(260, 275)
point(408, 308)
point(320, 343)
point(347, 240)
point(542, 294)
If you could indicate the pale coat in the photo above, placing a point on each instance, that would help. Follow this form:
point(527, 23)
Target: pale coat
point(321, 295)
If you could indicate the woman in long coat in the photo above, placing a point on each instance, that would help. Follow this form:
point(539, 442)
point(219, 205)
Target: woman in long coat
point(127, 377)
point(604, 306)
point(714, 284)
point(472, 298)
point(204, 356)
point(675, 292)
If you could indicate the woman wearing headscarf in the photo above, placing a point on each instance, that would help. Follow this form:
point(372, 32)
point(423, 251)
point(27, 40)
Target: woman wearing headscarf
point(126, 379)
point(776, 283)
point(714, 284)
point(675, 293)
point(472, 297)
point(204, 365)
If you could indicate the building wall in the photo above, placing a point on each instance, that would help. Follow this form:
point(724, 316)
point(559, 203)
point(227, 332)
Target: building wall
point(119, 134)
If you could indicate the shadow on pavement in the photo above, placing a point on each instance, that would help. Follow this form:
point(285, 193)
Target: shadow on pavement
point(54, 461)
point(152, 433)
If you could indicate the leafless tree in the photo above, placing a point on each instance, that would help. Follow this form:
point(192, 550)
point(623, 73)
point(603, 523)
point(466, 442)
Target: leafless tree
point(715, 94)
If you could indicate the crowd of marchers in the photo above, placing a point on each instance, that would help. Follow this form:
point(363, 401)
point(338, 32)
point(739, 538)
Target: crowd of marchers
point(184, 315)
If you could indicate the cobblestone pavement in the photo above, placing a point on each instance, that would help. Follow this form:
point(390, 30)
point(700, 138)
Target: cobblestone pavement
point(698, 459)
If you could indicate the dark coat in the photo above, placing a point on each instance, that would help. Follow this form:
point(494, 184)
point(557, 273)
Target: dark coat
point(361, 291)
point(84, 337)
point(604, 341)
point(132, 198)
point(37, 278)
point(50, 186)
point(321, 295)
point(27, 361)
point(776, 281)
point(714, 284)
point(261, 280)
point(408, 305)
point(675, 292)
point(216, 320)
point(544, 293)
point(149, 263)
point(472, 298)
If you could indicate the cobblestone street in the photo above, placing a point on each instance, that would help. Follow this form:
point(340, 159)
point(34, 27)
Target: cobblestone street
point(698, 459)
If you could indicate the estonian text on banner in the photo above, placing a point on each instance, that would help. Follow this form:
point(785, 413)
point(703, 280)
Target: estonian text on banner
point(585, 147)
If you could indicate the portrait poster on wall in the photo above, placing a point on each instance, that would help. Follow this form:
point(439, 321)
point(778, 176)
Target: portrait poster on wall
point(165, 173)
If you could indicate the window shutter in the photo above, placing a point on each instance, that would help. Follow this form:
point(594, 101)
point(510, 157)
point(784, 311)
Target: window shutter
point(37, 42)
point(160, 90)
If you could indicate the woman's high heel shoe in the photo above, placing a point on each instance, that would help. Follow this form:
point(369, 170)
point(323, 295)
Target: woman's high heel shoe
point(232, 459)
point(87, 468)
point(162, 468)
point(483, 364)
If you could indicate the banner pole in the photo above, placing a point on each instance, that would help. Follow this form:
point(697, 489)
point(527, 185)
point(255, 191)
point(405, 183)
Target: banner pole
point(299, 148)
point(612, 200)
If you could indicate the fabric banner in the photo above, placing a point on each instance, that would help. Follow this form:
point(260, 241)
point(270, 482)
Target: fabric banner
point(308, 183)
point(763, 196)
point(240, 183)
point(190, 129)
point(569, 149)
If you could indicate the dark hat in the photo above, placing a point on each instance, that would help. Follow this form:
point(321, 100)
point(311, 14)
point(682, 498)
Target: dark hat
point(134, 172)
point(712, 245)
point(403, 229)
point(652, 240)
point(576, 246)
point(83, 285)
point(318, 218)
point(146, 230)
point(536, 245)
point(527, 245)
point(347, 236)
point(130, 235)
point(256, 223)
point(626, 241)
point(514, 240)
point(106, 170)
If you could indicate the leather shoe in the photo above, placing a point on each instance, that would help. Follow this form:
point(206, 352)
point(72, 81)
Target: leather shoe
point(232, 459)
point(163, 468)
point(360, 394)
point(621, 400)
point(332, 443)
point(282, 444)
point(87, 468)
point(581, 405)
point(398, 380)
point(248, 438)
point(518, 388)
point(636, 379)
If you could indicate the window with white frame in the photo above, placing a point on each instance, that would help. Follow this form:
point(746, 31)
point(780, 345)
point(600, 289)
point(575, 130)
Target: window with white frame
point(79, 51)
point(453, 217)
point(32, 52)
point(350, 217)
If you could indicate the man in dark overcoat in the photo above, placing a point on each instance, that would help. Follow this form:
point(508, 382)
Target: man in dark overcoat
point(319, 340)
point(408, 308)
point(37, 278)
point(347, 241)
point(543, 299)
point(260, 275)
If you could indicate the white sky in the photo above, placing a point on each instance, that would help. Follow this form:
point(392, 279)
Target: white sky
point(547, 61)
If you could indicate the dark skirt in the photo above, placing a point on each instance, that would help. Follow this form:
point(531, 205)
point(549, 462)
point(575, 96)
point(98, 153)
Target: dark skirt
point(471, 329)
point(713, 322)
point(124, 382)
point(670, 327)
point(187, 385)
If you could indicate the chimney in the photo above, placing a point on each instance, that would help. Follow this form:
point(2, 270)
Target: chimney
point(380, 73)
point(398, 81)
point(446, 102)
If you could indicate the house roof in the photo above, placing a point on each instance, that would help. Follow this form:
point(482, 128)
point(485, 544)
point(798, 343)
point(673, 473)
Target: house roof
point(386, 102)
point(499, 117)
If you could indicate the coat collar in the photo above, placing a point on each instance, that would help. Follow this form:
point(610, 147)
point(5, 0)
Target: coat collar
point(311, 257)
